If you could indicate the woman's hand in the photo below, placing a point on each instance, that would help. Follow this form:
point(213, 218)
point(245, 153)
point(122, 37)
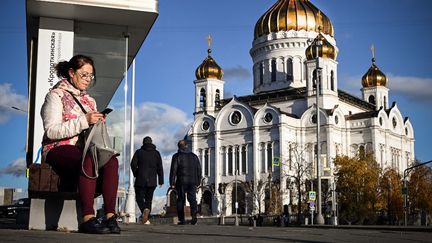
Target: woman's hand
point(93, 117)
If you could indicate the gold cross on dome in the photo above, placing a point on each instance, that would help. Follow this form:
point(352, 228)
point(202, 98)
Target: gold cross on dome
point(209, 40)
point(373, 51)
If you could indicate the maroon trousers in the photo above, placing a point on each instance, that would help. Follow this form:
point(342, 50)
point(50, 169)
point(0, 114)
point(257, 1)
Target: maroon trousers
point(66, 161)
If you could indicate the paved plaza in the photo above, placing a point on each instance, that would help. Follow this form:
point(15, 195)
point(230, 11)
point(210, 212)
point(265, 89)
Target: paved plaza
point(170, 233)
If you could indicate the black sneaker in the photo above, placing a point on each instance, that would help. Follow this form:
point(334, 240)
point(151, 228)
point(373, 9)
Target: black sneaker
point(93, 226)
point(194, 221)
point(112, 225)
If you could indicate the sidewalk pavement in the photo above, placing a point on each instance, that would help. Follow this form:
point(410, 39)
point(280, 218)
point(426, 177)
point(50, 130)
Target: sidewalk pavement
point(171, 233)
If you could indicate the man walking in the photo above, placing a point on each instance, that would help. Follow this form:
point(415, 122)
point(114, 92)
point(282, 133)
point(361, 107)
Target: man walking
point(146, 165)
point(185, 176)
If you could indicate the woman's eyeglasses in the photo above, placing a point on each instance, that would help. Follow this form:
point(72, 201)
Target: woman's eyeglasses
point(86, 75)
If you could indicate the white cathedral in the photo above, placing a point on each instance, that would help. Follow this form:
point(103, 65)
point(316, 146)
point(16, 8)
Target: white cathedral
point(264, 137)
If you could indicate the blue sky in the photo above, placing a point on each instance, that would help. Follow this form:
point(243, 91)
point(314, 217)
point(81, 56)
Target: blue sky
point(176, 45)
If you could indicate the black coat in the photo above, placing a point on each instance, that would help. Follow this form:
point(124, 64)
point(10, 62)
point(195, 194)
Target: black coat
point(146, 165)
point(185, 169)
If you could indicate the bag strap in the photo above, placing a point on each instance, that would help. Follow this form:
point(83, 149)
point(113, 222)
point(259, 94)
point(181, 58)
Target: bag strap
point(77, 101)
point(86, 147)
point(87, 143)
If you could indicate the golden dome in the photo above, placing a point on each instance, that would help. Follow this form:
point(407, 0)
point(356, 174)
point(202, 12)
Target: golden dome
point(293, 15)
point(325, 50)
point(374, 77)
point(208, 69)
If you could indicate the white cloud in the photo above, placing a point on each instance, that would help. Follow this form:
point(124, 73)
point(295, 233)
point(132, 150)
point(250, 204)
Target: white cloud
point(16, 168)
point(8, 99)
point(237, 73)
point(413, 88)
point(164, 123)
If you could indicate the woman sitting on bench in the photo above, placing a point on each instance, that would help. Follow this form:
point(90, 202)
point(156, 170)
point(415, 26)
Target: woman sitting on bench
point(63, 121)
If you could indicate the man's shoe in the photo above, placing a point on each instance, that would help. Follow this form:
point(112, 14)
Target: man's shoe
point(181, 223)
point(194, 221)
point(148, 222)
point(112, 225)
point(145, 216)
point(93, 226)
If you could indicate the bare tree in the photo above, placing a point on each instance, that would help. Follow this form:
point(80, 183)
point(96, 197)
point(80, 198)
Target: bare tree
point(256, 192)
point(297, 169)
point(275, 200)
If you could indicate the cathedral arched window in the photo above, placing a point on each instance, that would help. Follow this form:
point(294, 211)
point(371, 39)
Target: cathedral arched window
point(237, 160)
point(269, 157)
point(203, 98)
point(224, 160)
point(206, 162)
point(362, 151)
point(314, 79)
point(244, 159)
point(289, 70)
point(261, 73)
point(394, 122)
point(217, 99)
point(332, 81)
point(230, 161)
point(385, 103)
point(263, 157)
point(273, 70)
point(371, 99)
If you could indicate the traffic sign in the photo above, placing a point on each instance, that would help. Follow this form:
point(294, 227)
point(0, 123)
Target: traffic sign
point(276, 161)
point(312, 195)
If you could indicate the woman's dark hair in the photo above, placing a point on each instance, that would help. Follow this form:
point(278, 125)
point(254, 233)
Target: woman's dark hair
point(76, 62)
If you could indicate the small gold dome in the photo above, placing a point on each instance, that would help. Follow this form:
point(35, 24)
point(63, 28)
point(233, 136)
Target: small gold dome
point(374, 77)
point(293, 15)
point(209, 69)
point(325, 49)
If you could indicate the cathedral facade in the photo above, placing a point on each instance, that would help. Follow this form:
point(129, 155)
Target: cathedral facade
point(249, 144)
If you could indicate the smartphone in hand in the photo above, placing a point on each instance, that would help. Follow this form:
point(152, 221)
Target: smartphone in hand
point(106, 111)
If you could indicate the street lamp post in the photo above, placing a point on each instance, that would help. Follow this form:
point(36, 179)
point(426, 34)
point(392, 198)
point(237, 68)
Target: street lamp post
point(334, 204)
point(236, 203)
point(405, 191)
point(319, 218)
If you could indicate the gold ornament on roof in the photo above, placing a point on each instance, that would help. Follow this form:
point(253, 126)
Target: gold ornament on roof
point(325, 49)
point(209, 68)
point(374, 77)
point(209, 41)
point(297, 15)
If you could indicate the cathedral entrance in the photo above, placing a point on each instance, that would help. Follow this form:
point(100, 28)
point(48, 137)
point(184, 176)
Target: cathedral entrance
point(241, 199)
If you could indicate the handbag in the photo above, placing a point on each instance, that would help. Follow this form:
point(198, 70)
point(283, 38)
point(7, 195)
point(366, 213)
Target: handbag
point(96, 141)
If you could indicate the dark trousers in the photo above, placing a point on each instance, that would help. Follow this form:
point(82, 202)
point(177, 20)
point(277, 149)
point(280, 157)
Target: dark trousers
point(144, 197)
point(66, 162)
point(190, 191)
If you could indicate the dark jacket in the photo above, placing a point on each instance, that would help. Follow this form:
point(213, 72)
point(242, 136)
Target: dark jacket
point(146, 165)
point(185, 169)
